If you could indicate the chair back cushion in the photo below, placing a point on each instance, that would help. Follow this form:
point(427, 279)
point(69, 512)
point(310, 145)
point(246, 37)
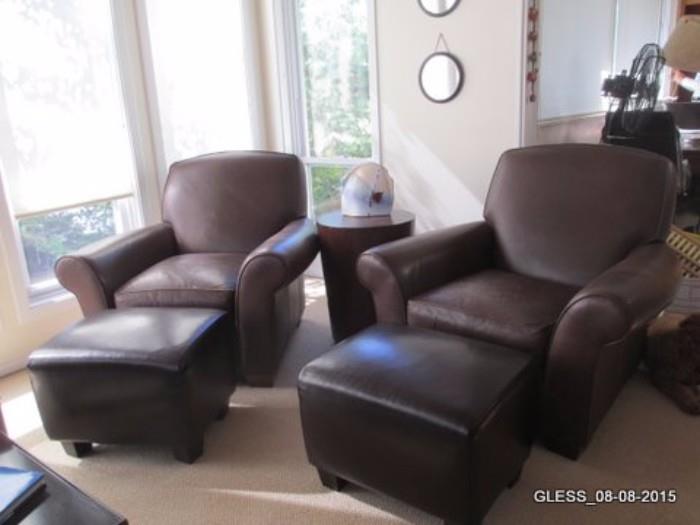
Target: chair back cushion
point(233, 201)
point(568, 212)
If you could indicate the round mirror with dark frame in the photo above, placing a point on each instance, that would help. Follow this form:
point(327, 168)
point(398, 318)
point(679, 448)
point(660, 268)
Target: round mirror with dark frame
point(438, 7)
point(441, 77)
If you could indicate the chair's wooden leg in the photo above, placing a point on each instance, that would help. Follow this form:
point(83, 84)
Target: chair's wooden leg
point(331, 481)
point(77, 449)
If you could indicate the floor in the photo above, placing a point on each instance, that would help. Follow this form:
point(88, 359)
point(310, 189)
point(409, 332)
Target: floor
point(254, 468)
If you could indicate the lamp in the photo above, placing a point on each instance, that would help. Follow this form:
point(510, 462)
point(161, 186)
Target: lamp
point(682, 50)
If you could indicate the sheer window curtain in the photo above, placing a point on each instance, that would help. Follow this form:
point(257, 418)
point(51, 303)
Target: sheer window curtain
point(64, 138)
point(200, 76)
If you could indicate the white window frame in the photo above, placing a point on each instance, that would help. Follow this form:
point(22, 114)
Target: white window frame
point(294, 114)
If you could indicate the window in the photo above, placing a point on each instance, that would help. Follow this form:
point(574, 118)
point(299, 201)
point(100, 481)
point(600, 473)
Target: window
point(334, 72)
point(200, 76)
point(47, 236)
point(584, 42)
point(65, 150)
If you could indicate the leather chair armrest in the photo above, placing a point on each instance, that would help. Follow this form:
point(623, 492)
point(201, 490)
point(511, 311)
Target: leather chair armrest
point(95, 272)
point(396, 271)
point(281, 258)
point(261, 318)
point(590, 355)
point(636, 289)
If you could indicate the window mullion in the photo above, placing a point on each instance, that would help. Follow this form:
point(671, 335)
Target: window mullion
point(292, 87)
point(326, 162)
point(374, 81)
point(253, 67)
point(128, 46)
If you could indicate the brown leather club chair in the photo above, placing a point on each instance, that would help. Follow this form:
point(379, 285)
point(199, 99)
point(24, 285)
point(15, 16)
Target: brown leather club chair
point(235, 236)
point(570, 261)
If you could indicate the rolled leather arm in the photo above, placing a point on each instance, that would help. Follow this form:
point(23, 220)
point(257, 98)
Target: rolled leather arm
point(273, 265)
point(587, 358)
point(281, 258)
point(636, 290)
point(396, 271)
point(95, 272)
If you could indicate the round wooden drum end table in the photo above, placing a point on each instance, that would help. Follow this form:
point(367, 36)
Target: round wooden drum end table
point(343, 239)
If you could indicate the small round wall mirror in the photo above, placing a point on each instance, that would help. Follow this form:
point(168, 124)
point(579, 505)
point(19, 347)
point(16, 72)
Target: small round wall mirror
point(438, 7)
point(441, 77)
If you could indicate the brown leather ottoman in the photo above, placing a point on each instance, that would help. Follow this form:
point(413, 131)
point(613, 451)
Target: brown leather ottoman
point(138, 375)
point(440, 422)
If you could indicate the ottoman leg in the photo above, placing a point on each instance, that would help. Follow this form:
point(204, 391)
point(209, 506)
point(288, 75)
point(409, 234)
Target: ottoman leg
point(331, 481)
point(221, 414)
point(515, 480)
point(77, 449)
point(260, 380)
point(188, 451)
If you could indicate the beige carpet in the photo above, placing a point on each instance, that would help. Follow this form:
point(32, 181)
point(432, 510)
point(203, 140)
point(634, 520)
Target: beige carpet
point(254, 468)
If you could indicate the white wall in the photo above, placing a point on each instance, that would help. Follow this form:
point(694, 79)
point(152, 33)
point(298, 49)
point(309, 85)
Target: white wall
point(442, 156)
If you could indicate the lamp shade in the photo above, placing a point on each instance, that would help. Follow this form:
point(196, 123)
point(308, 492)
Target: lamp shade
point(682, 50)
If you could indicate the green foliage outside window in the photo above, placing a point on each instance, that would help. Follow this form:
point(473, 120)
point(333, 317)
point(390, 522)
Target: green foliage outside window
point(47, 237)
point(335, 53)
point(325, 182)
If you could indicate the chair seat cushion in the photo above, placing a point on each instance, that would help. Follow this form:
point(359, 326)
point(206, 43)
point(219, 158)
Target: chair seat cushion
point(201, 280)
point(496, 306)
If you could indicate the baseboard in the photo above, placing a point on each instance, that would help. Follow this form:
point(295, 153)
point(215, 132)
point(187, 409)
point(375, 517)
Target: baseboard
point(15, 365)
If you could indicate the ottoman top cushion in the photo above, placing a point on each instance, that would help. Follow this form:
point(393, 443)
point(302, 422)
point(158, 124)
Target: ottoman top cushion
point(156, 337)
point(444, 379)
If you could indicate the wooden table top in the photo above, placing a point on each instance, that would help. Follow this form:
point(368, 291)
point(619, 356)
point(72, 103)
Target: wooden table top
point(60, 501)
point(335, 219)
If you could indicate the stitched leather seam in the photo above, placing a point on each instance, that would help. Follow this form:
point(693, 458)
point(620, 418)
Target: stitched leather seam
point(505, 395)
point(402, 409)
point(664, 206)
point(609, 297)
point(241, 280)
point(397, 283)
point(616, 301)
point(247, 263)
point(95, 277)
point(494, 188)
point(589, 415)
point(156, 290)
